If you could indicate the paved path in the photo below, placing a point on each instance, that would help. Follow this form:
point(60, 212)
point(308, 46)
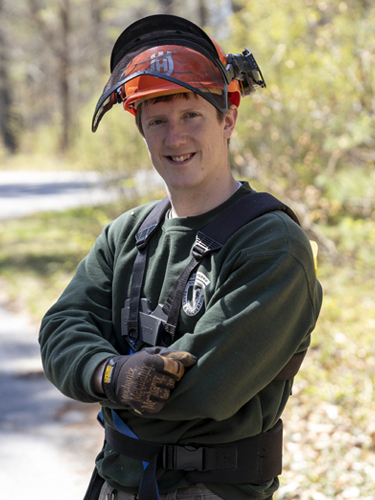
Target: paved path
point(23, 193)
point(48, 442)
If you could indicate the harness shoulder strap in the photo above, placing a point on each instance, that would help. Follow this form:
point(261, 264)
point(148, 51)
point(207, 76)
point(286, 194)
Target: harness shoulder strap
point(151, 222)
point(213, 236)
point(243, 211)
point(146, 230)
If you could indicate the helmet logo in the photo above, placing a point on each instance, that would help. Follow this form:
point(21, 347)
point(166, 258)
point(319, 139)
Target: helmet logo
point(162, 63)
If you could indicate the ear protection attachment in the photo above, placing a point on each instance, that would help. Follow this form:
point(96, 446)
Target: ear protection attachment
point(244, 68)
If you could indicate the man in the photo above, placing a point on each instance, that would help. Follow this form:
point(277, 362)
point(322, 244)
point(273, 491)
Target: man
point(191, 353)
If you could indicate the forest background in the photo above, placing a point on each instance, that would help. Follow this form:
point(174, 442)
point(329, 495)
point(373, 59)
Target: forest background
point(308, 138)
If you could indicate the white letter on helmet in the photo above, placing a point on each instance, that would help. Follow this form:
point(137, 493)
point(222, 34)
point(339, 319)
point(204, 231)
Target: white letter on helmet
point(162, 64)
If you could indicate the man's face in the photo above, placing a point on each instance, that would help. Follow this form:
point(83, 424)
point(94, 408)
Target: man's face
point(187, 143)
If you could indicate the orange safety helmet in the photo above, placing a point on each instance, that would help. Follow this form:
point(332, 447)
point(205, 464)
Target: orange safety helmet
point(191, 70)
point(164, 54)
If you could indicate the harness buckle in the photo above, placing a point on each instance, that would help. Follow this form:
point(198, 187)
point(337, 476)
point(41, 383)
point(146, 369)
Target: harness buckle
point(150, 328)
point(187, 458)
point(142, 237)
point(204, 244)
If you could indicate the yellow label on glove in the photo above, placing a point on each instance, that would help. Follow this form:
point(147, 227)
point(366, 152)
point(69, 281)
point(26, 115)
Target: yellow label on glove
point(107, 374)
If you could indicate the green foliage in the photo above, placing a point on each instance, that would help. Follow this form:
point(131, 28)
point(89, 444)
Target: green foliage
point(356, 242)
point(315, 117)
point(318, 60)
point(116, 146)
point(349, 184)
point(42, 140)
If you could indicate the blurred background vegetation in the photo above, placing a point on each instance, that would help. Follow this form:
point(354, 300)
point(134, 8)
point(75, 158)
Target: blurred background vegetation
point(308, 138)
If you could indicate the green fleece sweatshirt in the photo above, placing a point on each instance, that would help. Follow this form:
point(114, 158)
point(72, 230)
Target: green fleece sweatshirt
point(245, 312)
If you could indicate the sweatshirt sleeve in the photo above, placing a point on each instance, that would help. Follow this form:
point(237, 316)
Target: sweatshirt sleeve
point(76, 333)
point(264, 308)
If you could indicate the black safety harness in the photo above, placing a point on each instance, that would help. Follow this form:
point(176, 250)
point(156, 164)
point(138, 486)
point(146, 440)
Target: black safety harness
point(251, 460)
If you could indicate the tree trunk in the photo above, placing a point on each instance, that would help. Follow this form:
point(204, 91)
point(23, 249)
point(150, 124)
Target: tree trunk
point(64, 67)
point(96, 11)
point(57, 40)
point(167, 6)
point(202, 13)
point(6, 115)
point(237, 5)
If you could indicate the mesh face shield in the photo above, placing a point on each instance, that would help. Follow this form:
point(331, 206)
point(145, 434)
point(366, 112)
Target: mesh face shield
point(164, 54)
point(162, 70)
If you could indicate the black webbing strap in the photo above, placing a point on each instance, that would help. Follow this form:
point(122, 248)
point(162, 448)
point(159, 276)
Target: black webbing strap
point(243, 211)
point(213, 236)
point(252, 460)
point(258, 459)
point(172, 305)
point(94, 487)
point(145, 451)
point(146, 230)
point(210, 239)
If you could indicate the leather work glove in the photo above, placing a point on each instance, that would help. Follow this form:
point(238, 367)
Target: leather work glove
point(143, 381)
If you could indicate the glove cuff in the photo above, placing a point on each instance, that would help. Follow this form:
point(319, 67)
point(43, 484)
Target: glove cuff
point(109, 378)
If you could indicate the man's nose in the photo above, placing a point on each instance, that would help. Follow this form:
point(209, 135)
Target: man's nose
point(176, 135)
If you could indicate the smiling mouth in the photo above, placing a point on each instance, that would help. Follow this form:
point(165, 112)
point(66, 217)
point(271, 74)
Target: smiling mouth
point(182, 158)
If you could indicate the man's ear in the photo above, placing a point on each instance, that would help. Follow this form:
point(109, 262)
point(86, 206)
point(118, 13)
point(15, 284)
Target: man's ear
point(230, 121)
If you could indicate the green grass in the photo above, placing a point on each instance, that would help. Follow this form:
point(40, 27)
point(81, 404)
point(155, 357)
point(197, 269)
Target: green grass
point(34, 162)
point(39, 253)
point(330, 419)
